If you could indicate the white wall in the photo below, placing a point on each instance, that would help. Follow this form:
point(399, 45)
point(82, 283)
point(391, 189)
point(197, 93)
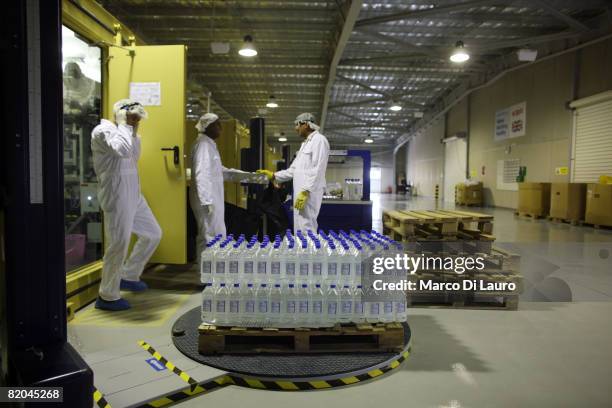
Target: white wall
point(425, 161)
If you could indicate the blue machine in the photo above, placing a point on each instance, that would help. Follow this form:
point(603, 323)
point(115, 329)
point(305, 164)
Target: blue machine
point(344, 214)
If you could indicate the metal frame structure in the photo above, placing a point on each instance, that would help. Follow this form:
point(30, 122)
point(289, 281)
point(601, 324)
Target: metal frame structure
point(347, 60)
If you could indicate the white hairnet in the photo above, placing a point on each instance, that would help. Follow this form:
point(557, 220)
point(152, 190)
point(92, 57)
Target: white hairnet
point(307, 118)
point(206, 120)
point(124, 106)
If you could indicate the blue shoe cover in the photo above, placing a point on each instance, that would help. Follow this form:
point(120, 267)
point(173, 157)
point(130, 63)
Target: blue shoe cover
point(133, 286)
point(112, 305)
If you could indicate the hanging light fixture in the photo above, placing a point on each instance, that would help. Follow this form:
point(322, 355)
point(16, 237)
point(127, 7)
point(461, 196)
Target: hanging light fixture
point(282, 139)
point(459, 54)
point(248, 48)
point(272, 102)
point(395, 107)
point(369, 139)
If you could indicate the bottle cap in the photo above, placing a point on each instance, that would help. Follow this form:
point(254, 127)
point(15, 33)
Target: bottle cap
point(250, 285)
point(304, 285)
point(318, 285)
point(346, 286)
point(291, 285)
point(277, 285)
point(359, 286)
point(236, 285)
point(263, 285)
point(223, 285)
point(333, 286)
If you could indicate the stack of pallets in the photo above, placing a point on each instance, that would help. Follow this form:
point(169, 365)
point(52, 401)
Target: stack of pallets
point(452, 234)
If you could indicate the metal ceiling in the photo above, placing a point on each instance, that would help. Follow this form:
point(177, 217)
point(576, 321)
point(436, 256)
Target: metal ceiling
point(375, 51)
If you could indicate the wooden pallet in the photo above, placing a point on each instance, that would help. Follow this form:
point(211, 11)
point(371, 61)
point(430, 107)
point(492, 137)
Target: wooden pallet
point(471, 221)
point(464, 301)
point(340, 338)
point(409, 223)
point(530, 215)
point(565, 221)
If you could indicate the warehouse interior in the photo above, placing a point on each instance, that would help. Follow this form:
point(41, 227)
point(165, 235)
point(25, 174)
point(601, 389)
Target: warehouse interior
point(515, 138)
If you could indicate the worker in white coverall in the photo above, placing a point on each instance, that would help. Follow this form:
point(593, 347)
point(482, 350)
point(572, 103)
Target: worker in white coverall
point(206, 194)
point(308, 173)
point(116, 150)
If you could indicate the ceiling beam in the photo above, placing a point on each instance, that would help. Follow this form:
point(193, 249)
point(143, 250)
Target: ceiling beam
point(405, 15)
point(362, 85)
point(406, 45)
point(524, 41)
point(356, 126)
point(391, 57)
point(347, 29)
point(570, 21)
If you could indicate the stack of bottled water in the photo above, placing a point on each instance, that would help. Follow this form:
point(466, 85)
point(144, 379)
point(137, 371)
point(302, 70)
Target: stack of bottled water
point(308, 280)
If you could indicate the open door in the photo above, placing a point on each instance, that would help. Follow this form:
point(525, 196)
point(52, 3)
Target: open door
point(161, 165)
point(455, 164)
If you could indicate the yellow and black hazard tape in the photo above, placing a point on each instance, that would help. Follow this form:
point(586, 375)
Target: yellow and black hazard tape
point(99, 399)
point(207, 386)
point(183, 375)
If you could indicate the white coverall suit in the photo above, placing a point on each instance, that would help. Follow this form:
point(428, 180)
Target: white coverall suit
point(207, 177)
point(308, 173)
point(116, 150)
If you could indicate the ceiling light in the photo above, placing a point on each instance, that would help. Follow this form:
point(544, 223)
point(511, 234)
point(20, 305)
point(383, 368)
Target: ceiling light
point(282, 139)
point(395, 107)
point(369, 140)
point(272, 102)
point(459, 54)
point(525, 54)
point(248, 49)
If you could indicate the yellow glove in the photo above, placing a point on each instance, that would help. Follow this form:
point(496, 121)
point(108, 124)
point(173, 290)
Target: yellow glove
point(300, 200)
point(269, 174)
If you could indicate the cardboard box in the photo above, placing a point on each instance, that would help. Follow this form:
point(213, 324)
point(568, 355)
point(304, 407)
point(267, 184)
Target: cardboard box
point(568, 201)
point(468, 194)
point(534, 199)
point(599, 204)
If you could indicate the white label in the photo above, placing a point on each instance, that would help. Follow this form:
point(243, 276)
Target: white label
point(263, 306)
point(275, 306)
point(207, 305)
point(347, 306)
point(332, 308)
point(332, 269)
point(233, 267)
point(220, 267)
point(250, 306)
point(234, 306)
point(316, 268)
point(220, 306)
point(317, 307)
point(303, 306)
point(206, 266)
point(275, 267)
point(346, 269)
point(248, 266)
point(290, 268)
point(291, 306)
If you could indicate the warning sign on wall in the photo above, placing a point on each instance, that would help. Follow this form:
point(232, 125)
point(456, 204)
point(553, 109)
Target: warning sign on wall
point(511, 122)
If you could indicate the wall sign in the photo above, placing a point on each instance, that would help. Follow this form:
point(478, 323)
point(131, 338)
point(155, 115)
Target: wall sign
point(511, 122)
point(147, 93)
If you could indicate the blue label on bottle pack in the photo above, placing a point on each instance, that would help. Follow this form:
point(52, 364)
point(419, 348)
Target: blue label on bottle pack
point(358, 269)
point(206, 266)
point(359, 308)
point(303, 306)
point(275, 307)
point(249, 306)
point(347, 307)
point(207, 305)
point(263, 306)
point(220, 267)
point(291, 306)
point(234, 306)
point(233, 267)
point(316, 268)
point(317, 307)
point(388, 307)
point(220, 306)
point(248, 266)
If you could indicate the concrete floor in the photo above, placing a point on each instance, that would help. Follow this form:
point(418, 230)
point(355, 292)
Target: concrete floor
point(555, 351)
